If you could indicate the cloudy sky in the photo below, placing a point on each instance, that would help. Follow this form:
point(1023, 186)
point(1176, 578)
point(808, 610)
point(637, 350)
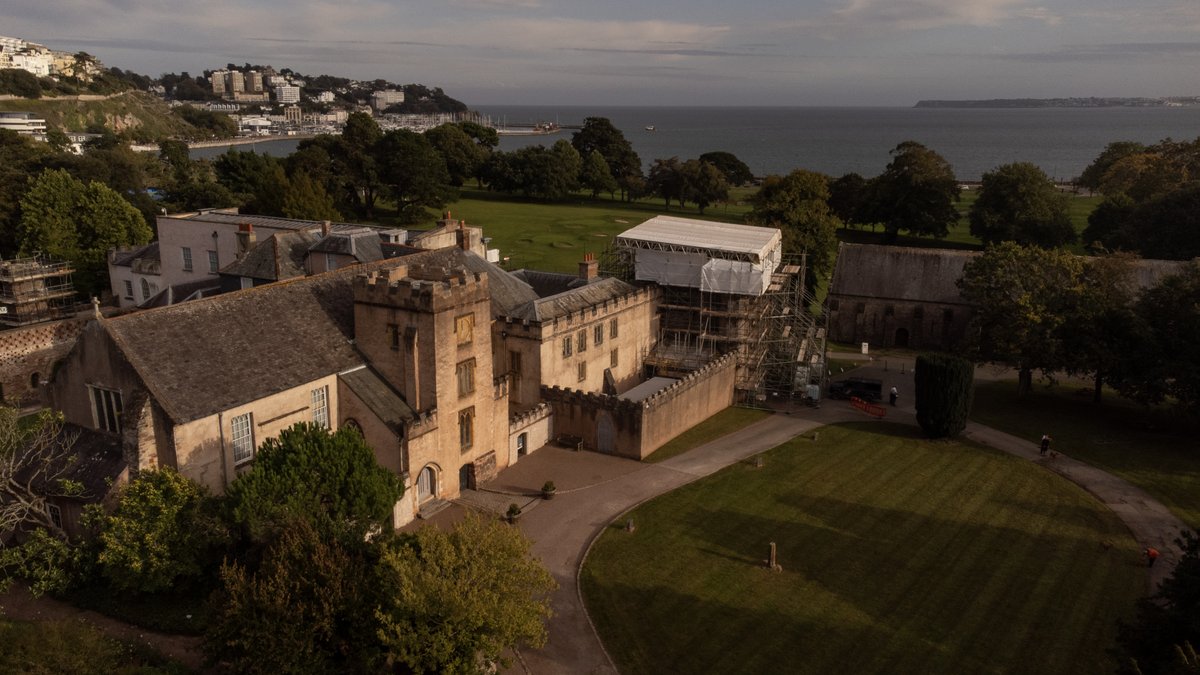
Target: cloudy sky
point(657, 52)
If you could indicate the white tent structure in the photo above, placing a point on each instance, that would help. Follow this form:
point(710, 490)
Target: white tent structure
point(712, 257)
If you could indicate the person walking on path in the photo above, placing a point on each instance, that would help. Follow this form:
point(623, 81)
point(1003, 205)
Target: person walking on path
point(1151, 556)
point(893, 395)
point(1045, 444)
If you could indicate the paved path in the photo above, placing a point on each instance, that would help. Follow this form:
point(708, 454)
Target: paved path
point(595, 489)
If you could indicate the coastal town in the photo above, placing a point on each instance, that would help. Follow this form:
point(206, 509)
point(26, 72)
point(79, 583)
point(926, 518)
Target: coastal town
point(407, 399)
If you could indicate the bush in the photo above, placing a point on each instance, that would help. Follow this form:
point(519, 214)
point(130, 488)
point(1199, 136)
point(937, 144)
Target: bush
point(944, 391)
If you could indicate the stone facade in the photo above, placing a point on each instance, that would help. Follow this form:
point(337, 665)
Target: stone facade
point(28, 356)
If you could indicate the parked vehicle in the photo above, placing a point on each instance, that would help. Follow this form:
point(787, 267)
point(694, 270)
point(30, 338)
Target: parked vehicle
point(861, 387)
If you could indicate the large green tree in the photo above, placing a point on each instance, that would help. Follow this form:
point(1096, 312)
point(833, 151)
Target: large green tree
point(1022, 298)
point(703, 183)
point(914, 194)
point(164, 531)
point(306, 607)
point(1018, 202)
point(455, 601)
point(68, 220)
point(306, 199)
point(1092, 177)
point(328, 478)
point(665, 179)
point(798, 204)
point(463, 156)
point(599, 134)
point(413, 173)
point(595, 175)
point(735, 170)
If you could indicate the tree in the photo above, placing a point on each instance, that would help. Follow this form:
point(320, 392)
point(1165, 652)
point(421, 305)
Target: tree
point(1018, 202)
point(307, 608)
point(944, 388)
point(20, 82)
point(306, 199)
point(164, 531)
point(1022, 298)
point(35, 462)
point(735, 170)
point(68, 220)
point(599, 134)
point(703, 183)
point(798, 204)
point(846, 197)
point(665, 180)
point(413, 172)
point(462, 155)
point(596, 176)
point(485, 137)
point(1167, 625)
point(1106, 221)
point(1167, 361)
point(453, 602)
point(915, 193)
point(1099, 335)
point(1093, 176)
point(307, 472)
point(1165, 228)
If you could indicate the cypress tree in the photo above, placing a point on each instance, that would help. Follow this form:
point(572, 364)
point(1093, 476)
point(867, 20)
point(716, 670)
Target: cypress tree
point(944, 391)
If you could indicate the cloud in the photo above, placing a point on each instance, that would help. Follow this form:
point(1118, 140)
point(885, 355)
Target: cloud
point(926, 14)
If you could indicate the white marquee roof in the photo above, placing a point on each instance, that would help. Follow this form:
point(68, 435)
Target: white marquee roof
point(701, 235)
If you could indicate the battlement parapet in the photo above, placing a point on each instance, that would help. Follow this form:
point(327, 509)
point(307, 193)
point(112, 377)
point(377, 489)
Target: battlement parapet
point(421, 288)
point(423, 423)
point(593, 399)
point(692, 379)
point(523, 419)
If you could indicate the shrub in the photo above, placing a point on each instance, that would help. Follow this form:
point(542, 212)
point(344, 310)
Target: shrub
point(944, 391)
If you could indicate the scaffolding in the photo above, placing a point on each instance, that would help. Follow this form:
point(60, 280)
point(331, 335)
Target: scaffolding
point(779, 345)
point(33, 290)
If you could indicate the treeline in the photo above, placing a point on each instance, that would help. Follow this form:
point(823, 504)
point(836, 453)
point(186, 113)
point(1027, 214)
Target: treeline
point(25, 84)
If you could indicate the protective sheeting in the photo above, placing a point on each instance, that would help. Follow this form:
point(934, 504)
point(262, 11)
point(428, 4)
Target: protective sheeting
point(733, 276)
point(670, 268)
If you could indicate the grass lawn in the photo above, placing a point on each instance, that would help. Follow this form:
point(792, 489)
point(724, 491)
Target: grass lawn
point(554, 236)
point(899, 555)
point(1120, 437)
point(37, 648)
point(725, 422)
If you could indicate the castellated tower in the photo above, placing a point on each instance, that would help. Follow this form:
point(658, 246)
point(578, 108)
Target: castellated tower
point(427, 330)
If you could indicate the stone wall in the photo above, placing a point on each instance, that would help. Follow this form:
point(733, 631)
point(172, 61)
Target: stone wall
point(885, 322)
point(537, 424)
point(635, 429)
point(28, 355)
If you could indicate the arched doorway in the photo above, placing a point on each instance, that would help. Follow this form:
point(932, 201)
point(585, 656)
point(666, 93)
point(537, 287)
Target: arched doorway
point(34, 380)
point(426, 485)
point(901, 338)
point(466, 477)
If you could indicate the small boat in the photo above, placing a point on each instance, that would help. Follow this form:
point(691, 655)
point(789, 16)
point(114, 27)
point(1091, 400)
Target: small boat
point(650, 127)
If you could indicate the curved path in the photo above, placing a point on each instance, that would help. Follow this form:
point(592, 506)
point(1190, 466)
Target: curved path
point(595, 489)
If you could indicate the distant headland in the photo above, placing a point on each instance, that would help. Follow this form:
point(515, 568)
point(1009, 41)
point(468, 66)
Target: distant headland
point(1088, 102)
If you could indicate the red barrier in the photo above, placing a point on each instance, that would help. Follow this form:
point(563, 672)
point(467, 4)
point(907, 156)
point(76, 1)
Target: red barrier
point(869, 408)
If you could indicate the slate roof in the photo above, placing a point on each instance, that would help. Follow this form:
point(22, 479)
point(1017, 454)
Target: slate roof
point(96, 460)
point(278, 257)
point(508, 291)
point(363, 244)
point(198, 358)
point(202, 357)
point(379, 397)
point(147, 252)
point(546, 284)
point(900, 273)
point(180, 292)
point(574, 300)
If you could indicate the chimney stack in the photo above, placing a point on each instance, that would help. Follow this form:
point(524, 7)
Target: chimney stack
point(245, 239)
point(326, 228)
point(589, 268)
point(464, 237)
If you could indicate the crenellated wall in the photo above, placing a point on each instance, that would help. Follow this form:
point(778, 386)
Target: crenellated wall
point(635, 429)
point(25, 352)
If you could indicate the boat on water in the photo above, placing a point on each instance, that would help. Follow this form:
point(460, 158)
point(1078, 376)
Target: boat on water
point(650, 127)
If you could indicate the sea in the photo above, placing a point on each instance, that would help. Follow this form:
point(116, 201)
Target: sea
point(836, 141)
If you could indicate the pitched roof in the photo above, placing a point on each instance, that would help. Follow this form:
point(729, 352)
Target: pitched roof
point(280, 256)
point(363, 244)
point(274, 222)
point(508, 292)
point(126, 258)
point(171, 295)
point(574, 300)
point(198, 358)
point(546, 284)
point(379, 397)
